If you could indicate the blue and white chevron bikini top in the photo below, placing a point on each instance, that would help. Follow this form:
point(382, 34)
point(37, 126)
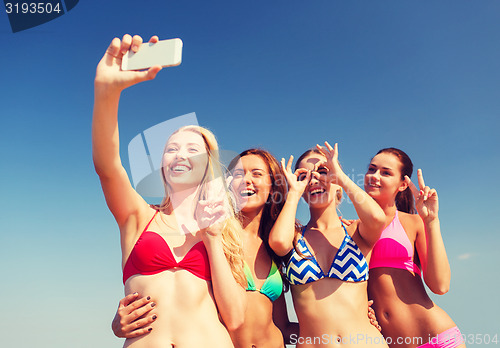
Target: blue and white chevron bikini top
point(349, 264)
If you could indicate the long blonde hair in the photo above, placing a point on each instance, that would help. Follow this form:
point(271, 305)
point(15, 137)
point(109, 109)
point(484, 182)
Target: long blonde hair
point(231, 230)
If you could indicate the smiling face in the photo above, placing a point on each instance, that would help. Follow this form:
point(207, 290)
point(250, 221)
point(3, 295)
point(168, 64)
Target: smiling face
point(251, 183)
point(185, 160)
point(319, 192)
point(383, 179)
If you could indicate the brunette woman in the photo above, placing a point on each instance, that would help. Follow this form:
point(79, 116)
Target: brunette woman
point(330, 297)
point(410, 252)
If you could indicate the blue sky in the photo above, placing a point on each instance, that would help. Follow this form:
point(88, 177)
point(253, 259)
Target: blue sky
point(419, 75)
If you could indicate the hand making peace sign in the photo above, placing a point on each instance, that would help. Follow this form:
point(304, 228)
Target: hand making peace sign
point(426, 199)
point(212, 211)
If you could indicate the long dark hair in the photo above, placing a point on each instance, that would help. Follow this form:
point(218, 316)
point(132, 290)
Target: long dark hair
point(276, 199)
point(404, 199)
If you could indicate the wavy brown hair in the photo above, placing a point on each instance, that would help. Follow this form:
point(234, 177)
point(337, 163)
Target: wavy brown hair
point(276, 198)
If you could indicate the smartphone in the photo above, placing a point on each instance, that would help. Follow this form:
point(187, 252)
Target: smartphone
point(164, 53)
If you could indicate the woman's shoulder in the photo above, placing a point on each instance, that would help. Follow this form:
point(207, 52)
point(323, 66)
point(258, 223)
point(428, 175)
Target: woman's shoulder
point(351, 226)
point(353, 230)
point(412, 218)
point(144, 216)
point(410, 222)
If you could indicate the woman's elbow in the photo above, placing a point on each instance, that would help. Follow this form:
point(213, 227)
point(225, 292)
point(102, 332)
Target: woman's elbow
point(441, 287)
point(379, 221)
point(280, 247)
point(235, 321)
point(236, 316)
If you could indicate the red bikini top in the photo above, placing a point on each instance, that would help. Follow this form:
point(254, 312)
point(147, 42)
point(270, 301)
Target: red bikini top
point(151, 255)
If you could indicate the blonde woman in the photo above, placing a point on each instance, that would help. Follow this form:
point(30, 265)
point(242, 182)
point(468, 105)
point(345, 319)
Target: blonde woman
point(185, 252)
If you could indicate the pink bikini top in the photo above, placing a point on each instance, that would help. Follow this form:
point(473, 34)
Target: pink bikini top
point(394, 249)
point(151, 255)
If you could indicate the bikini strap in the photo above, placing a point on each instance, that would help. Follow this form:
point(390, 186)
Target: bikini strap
point(343, 226)
point(145, 228)
point(303, 230)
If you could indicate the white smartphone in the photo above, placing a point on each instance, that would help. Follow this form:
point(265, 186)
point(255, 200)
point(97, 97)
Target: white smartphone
point(164, 53)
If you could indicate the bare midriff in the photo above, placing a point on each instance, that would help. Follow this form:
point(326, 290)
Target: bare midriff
point(404, 310)
point(186, 312)
point(334, 313)
point(258, 329)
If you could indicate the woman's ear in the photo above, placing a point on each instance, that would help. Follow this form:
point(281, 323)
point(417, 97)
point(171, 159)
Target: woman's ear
point(404, 186)
point(339, 194)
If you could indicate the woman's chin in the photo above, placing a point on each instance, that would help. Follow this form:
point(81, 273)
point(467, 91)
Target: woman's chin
point(179, 185)
point(319, 201)
point(248, 207)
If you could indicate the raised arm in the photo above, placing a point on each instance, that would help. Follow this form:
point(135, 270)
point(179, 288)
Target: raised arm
point(371, 216)
point(429, 242)
point(283, 231)
point(110, 81)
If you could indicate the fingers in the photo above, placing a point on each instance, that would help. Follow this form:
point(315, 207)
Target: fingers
point(138, 327)
point(229, 180)
point(349, 223)
point(141, 310)
point(215, 190)
point(213, 212)
point(114, 47)
point(432, 194)
point(328, 151)
point(127, 300)
point(325, 151)
point(425, 192)
point(136, 43)
point(288, 167)
point(125, 44)
point(302, 174)
point(333, 150)
point(282, 163)
point(142, 306)
point(336, 151)
point(138, 332)
point(371, 312)
point(289, 164)
point(133, 316)
point(413, 188)
point(314, 174)
point(322, 150)
point(154, 39)
point(372, 316)
point(151, 73)
point(328, 146)
point(420, 177)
